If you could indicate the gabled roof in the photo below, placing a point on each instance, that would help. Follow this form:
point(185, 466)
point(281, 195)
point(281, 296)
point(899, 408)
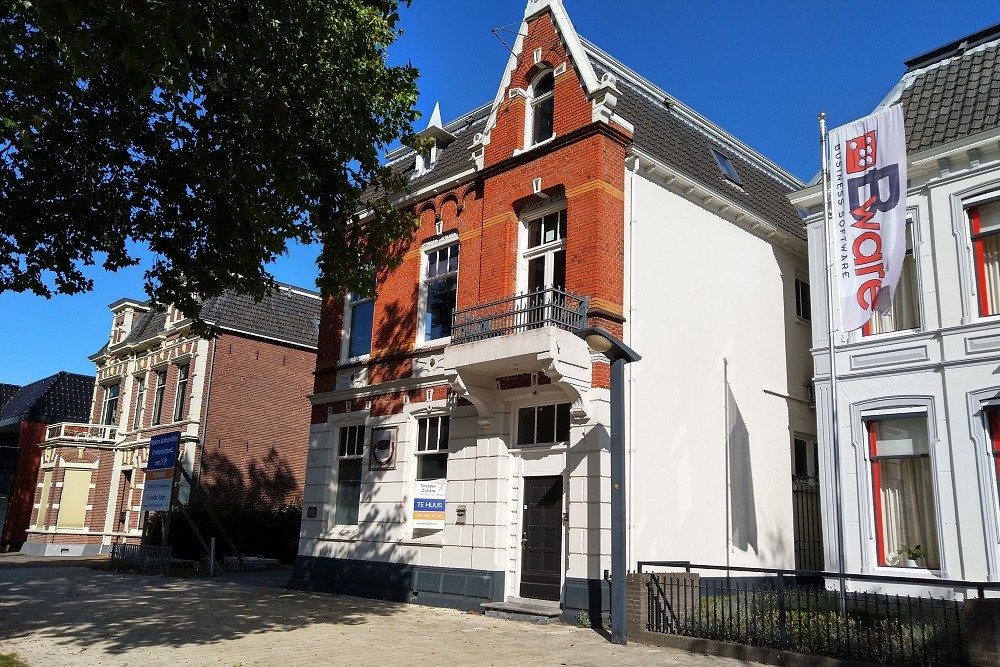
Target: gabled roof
point(951, 92)
point(57, 398)
point(288, 314)
point(662, 127)
point(7, 392)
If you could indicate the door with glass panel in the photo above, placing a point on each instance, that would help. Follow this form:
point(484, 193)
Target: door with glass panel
point(545, 263)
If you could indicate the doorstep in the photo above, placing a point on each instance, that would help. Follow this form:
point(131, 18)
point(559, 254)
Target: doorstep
point(542, 612)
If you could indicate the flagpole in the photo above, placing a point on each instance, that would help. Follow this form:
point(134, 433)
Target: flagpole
point(832, 330)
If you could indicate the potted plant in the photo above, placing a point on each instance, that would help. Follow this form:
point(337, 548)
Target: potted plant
point(911, 554)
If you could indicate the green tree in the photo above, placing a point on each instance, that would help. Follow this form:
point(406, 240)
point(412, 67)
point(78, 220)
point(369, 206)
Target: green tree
point(215, 131)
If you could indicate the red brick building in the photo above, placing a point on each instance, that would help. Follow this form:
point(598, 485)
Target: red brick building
point(237, 400)
point(459, 451)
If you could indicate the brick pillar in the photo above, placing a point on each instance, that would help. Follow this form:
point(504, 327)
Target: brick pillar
point(676, 595)
point(982, 622)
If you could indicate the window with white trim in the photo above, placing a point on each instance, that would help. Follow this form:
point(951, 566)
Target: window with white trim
point(541, 108)
point(543, 424)
point(984, 221)
point(905, 311)
point(993, 429)
point(180, 396)
point(903, 491)
point(440, 291)
point(359, 318)
point(432, 447)
point(109, 411)
point(73, 498)
point(140, 402)
point(159, 390)
point(350, 456)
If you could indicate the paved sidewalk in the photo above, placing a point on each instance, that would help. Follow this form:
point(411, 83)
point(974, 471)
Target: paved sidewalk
point(66, 615)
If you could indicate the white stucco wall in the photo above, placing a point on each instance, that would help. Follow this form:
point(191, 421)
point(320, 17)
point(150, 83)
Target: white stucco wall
point(710, 299)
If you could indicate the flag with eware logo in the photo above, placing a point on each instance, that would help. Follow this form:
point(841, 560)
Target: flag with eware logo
point(868, 184)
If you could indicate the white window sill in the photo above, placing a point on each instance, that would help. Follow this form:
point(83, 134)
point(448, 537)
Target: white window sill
point(436, 342)
point(520, 151)
point(364, 358)
point(342, 533)
point(423, 541)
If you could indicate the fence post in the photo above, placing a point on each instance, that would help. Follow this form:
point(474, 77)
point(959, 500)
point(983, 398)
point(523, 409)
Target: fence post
point(211, 559)
point(782, 625)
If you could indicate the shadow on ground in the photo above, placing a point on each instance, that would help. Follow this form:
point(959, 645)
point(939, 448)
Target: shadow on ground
point(122, 612)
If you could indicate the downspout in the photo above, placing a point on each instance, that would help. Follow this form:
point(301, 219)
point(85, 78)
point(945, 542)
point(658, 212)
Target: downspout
point(204, 417)
point(630, 428)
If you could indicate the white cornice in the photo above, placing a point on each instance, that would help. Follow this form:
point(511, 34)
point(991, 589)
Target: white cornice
point(391, 387)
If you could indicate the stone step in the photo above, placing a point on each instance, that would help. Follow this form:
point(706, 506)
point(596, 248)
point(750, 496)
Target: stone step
point(541, 612)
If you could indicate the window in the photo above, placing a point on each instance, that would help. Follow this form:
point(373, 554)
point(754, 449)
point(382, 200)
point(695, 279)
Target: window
point(805, 459)
point(903, 490)
point(985, 222)
point(803, 308)
point(349, 458)
point(140, 402)
point(109, 412)
point(545, 266)
point(432, 448)
point(441, 290)
point(359, 317)
point(161, 385)
point(543, 424)
point(73, 499)
point(993, 428)
point(180, 396)
point(542, 108)
point(905, 311)
point(726, 165)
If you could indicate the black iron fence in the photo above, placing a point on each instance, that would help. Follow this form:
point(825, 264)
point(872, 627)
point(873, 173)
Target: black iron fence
point(141, 557)
point(546, 307)
point(804, 611)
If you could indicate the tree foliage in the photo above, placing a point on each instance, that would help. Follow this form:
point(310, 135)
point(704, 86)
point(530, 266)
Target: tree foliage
point(215, 131)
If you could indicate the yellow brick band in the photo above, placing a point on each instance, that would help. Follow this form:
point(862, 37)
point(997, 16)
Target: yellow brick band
point(591, 186)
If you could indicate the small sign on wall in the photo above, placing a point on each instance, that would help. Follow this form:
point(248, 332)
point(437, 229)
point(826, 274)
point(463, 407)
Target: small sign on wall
point(428, 505)
point(383, 448)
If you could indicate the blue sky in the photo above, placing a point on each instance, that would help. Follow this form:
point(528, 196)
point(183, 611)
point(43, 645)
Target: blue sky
point(762, 71)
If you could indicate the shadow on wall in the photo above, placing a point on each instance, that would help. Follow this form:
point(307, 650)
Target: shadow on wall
point(744, 509)
point(267, 478)
point(595, 443)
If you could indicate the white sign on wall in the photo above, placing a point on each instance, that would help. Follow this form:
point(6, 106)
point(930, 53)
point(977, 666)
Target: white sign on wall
point(428, 505)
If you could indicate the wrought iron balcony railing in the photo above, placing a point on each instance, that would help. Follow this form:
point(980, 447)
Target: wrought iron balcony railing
point(546, 307)
point(81, 432)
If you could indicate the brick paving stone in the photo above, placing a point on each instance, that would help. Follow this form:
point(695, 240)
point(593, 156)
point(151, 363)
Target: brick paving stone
point(69, 616)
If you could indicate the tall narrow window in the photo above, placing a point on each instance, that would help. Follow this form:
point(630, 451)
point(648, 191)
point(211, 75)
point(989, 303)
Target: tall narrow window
point(140, 402)
point(73, 498)
point(985, 222)
point(542, 108)
point(545, 264)
point(993, 424)
point(349, 458)
point(109, 411)
point(441, 290)
point(180, 396)
point(905, 521)
point(161, 386)
point(905, 311)
point(360, 318)
point(803, 308)
point(432, 448)
point(543, 424)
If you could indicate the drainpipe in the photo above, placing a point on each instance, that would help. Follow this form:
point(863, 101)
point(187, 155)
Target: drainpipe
point(203, 429)
point(631, 380)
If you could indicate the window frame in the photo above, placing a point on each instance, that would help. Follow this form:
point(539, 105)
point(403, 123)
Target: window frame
point(180, 391)
point(535, 101)
point(727, 167)
point(140, 402)
point(350, 305)
point(550, 249)
point(910, 235)
point(976, 236)
point(349, 450)
point(110, 402)
point(423, 310)
point(803, 299)
point(558, 406)
point(421, 445)
point(159, 391)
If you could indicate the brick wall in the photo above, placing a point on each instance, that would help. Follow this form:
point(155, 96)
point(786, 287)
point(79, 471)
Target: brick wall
point(19, 505)
point(982, 620)
point(680, 589)
point(256, 425)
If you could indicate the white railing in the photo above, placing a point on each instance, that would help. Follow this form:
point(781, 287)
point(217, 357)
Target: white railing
point(81, 432)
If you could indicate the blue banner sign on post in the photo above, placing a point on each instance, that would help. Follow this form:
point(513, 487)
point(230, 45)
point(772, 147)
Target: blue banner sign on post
point(158, 486)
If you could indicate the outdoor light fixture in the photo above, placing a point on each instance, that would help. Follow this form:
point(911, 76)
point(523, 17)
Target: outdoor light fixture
point(618, 353)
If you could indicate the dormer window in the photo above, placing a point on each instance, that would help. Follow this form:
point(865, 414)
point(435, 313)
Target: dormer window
point(426, 158)
point(541, 108)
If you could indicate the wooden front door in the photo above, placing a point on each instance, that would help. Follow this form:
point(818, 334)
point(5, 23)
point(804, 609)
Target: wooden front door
point(541, 538)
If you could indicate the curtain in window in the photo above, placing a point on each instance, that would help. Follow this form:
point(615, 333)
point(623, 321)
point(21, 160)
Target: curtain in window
point(985, 221)
point(905, 311)
point(906, 495)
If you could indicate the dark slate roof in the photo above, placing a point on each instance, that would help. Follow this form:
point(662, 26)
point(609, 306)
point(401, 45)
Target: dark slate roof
point(7, 392)
point(57, 398)
point(668, 135)
point(289, 314)
point(957, 95)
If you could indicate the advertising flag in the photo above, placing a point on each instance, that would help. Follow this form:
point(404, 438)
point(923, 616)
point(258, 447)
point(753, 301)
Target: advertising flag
point(868, 169)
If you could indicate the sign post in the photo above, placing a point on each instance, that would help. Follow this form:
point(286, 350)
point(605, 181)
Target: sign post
point(158, 488)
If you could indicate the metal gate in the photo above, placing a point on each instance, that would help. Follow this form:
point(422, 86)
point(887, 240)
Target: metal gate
point(808, 524)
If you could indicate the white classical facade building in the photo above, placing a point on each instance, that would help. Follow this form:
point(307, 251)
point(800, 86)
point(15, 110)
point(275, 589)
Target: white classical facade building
point(918, 398)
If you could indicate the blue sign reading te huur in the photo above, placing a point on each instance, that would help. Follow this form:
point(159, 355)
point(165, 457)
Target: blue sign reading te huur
point(157, 490)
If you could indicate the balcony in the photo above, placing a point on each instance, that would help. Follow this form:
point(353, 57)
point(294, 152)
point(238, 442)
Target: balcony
point(522, 335)
point(525, 312)
point(81, 433)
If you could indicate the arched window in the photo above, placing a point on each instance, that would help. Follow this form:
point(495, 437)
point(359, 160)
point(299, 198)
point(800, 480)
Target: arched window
point(541, 107)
